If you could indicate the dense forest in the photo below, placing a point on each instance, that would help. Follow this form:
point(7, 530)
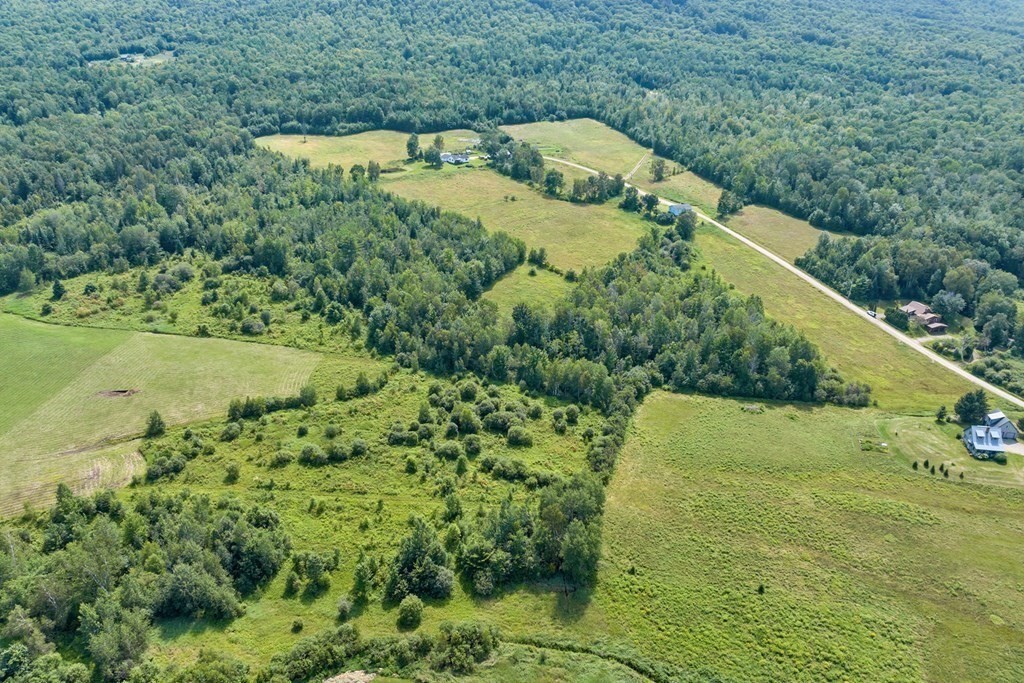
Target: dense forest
point(896, 121)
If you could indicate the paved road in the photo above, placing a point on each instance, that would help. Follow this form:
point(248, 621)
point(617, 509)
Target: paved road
point(839, 298)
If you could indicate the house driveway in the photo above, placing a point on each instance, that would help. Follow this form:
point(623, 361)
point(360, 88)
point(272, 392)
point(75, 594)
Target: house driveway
point(1017, 448)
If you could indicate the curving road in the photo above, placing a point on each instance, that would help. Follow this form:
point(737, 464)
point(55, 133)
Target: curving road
point(834, 295)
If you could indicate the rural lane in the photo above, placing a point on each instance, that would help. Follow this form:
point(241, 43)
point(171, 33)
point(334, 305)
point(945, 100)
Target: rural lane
point(836, 296)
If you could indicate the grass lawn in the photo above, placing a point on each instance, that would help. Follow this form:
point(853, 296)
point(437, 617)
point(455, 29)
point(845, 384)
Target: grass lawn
point(583, 141)
point(864, 562)
point(543, 288)
point(901, 379)
point(574, 235)
point(58, 425)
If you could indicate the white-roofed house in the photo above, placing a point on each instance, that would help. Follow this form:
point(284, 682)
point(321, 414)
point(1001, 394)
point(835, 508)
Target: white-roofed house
point(998, 420)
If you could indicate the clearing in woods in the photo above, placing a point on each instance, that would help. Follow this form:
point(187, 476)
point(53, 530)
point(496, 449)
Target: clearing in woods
point(543, 288)
point(775, 545)
point(56, 423)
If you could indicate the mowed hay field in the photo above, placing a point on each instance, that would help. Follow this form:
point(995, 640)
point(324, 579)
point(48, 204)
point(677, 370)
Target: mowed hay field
point(574, 235)
point(63, 423)
point(583, 141)
point(787, 236)
point(382, 146)
point(387, 147)
point(901, 379)
point(871, 571)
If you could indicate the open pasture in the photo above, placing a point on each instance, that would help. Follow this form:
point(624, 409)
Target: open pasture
point(787, 236)
point(386, 147)
point(773, 546)
point(78, 391)
point(544, 288)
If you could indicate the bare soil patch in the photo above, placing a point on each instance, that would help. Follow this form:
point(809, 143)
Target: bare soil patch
point(118, 393)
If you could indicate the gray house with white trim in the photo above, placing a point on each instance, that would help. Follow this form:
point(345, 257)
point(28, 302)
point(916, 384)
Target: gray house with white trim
point(998, 421)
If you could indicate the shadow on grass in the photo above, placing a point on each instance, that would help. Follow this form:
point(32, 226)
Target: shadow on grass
point(172, 629)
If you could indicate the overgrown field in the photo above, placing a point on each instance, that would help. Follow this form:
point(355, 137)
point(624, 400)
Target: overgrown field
point(361, 505)
point(787, 545)
point(60, 411)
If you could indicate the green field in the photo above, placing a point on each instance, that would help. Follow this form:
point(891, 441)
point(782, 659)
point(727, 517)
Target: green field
point(387, 147)
point(871, 571)
point(901, 379)
point(383, 146)
point(574, 235)
point(58, 424)
point(583, 141)
point(784, 235)
point(544, 288)
point(350, 492)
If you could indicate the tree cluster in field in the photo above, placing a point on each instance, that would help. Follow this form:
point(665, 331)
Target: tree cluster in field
point(97, 572)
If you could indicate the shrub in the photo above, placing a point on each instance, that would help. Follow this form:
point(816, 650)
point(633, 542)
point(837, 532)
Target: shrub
point(155, 426)
point(233, 471)
point(359, 447)
point(410, 465)
point(331, 431)
point(461, 465)
point(232, 431)
point(280, 459)
point(410, 612)
point(449, 450)
point(519, 437)
point(302, 431)
point(312, 454)
point(473, 445)
point(344, 608)
point(252, 327)
point(572, 414)
point(534, 412)
point(297, 625)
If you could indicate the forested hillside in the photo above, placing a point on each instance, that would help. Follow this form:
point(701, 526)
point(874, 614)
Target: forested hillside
point(897, 117)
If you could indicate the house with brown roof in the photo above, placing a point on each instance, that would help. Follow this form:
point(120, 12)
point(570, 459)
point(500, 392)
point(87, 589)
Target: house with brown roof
point(923, 315)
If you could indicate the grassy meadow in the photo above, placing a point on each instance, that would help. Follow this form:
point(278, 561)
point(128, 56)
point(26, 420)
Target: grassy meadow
point(574, 235)
point(784, 235)
point(59, 424)
point(583, 141)
point(543, 287)
point(860, 555)
point(863, 561)
point(361, 505)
